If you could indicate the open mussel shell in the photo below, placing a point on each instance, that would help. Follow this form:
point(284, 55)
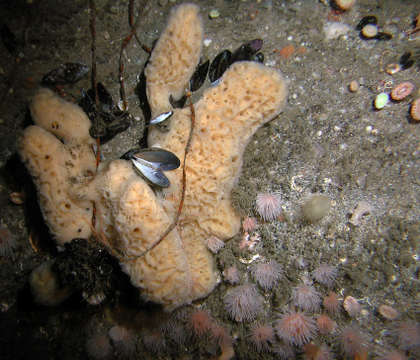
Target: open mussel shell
point(159, 158)
point(199, 76)
point(151, 162)
point(219, 65)
point(155, 176)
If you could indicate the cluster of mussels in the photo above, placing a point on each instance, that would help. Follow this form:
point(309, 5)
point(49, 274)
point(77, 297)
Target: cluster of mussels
point(107, 119)
point(247, 51)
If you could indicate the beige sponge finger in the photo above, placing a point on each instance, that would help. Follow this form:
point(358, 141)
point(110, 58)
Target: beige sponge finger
point(174, 58)
point(65, 120)
point(163, 273)
point(45, 158)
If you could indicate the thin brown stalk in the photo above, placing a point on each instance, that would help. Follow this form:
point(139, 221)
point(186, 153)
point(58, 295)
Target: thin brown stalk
point(92, 26)
point(125, 43)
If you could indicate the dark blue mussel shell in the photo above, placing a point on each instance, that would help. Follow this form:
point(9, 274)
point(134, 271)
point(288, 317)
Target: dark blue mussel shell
point(199, 76)
point(151, 163)
point(107, 120)
point(258, 57)
point(68, 73)
point(219, 65)
point(247, 51)
point(406, 60)
point(370, 19)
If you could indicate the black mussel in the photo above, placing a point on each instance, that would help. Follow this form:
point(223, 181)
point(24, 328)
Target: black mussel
point(155, 176)
point(68, 73)
point(159, 158)
point(87, 103)
point(370, 19)
point(199, 76)
point(152, 162)
point(8, 39)
point(142, 94)
point(103, 95)
point(247, 50)
point(98, 131)
point(405, 57)
point(111, 130)
point(406, 60)
point(219, 65)
point(106, 103)
point(383, 36)
point(162, 117)
point(258, 57)
point(107, 119)
point(129, 154)
point(178, 103)
point(407, 65)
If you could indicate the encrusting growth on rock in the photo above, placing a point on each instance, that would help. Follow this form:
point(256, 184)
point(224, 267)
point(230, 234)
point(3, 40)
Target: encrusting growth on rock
point(131, 217)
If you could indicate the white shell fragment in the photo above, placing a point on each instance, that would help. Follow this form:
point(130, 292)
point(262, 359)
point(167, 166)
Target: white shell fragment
point(162, 117)
point(362, 208)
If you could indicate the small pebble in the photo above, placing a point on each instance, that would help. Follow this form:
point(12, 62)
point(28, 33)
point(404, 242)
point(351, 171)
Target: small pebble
point(354, 86)
point(345, 4)
point(352, 306)
point(381, 100)
point(392, 68)
point(362, 208)
point(333, 30)
point(213, 14)
point(401, 91)
point(415, 110)
point(388, 312)
point(17, 198)
point(370, 31)
point(316, 207)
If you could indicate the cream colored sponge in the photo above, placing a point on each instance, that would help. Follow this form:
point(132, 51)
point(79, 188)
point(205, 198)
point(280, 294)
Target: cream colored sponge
point(130, 216)
point(174, 58)
point(57, 168)
point(65, 120)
